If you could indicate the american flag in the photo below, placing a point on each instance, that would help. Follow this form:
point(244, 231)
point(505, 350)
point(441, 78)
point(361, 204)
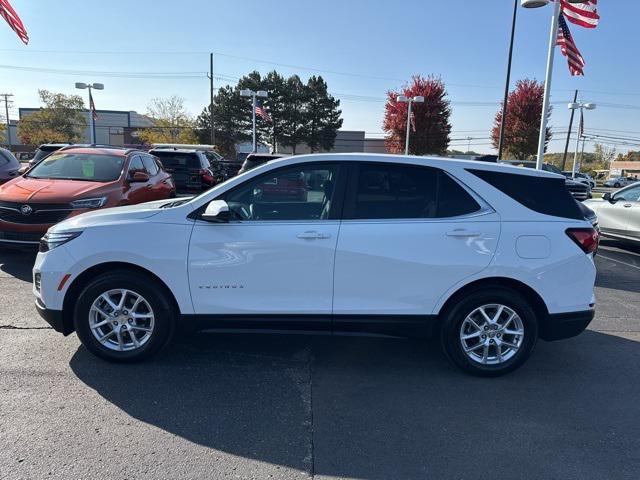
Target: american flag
point(12, 18)
point(583, 14)
point(261, 112)
point(413, 121)
point(92, 106)
point(569, 49)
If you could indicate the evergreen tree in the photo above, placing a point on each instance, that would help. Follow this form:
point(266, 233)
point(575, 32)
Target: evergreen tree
point(322, 116)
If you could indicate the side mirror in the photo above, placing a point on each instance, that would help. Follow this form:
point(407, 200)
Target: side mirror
point(607, 196)
point(217, 211)
point(139, 177)
point(22, 170)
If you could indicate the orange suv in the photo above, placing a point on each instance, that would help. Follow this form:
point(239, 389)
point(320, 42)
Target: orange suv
point(76, 180)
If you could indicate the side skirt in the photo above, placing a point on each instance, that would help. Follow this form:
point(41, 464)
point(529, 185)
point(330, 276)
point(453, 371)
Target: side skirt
point(413, 326)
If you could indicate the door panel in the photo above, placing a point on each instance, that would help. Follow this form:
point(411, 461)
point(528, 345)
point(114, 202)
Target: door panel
point(262, 267)
point(404, 267)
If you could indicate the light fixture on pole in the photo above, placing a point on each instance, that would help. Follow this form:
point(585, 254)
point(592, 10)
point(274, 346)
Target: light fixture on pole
point(579, 106)
point(553, 36)
point(410, 101)
point(92, 123)
point(254, 94)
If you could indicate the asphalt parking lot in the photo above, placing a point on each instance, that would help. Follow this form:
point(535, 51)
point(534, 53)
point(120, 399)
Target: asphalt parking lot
point(232, 406)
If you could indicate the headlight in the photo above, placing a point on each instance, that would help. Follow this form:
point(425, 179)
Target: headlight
point(89, 202)
point(52, 240)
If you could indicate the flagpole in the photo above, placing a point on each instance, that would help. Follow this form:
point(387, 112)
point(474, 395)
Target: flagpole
point(553, 36)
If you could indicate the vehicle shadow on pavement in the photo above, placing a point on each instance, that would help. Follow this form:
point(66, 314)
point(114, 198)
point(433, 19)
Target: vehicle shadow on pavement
point(17, 262)
point(389, 408)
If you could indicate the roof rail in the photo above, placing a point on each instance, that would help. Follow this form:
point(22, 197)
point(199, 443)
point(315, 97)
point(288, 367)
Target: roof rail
point(185, 146)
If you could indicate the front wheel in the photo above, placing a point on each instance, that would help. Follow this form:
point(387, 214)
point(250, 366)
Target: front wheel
point(616, 185)
point(490, 332)
point(123, 316)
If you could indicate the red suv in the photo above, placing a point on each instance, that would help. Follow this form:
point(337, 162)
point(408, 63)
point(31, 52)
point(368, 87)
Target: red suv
point(75, 180)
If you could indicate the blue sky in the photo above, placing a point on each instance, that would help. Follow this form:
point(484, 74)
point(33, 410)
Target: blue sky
point(362, 48)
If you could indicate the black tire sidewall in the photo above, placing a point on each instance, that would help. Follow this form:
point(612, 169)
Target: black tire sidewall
point(450, 333)
point(145, 286)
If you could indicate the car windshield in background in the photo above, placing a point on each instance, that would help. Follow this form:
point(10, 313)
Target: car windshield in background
point(79, 166)
point(43, 152)
point(178, 161)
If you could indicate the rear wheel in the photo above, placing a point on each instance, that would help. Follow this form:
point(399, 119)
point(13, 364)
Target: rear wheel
point(123, 317)
point(490, 332)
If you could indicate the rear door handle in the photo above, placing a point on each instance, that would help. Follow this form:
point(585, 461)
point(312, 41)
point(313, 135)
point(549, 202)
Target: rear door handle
point(313, 235)
point(463, 233)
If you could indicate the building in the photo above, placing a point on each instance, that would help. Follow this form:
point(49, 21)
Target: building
point(624, 169)
point(113, 127)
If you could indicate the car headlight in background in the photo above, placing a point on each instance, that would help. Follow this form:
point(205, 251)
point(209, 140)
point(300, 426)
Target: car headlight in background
point(52, 240)
point(89, 202)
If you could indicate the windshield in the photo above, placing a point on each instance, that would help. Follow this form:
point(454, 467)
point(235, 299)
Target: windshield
point(79, 166)
point(43, 152)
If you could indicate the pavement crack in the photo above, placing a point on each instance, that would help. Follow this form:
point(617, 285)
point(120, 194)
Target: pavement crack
point(15, 327)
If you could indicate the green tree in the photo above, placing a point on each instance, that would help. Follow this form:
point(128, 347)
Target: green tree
point(59, 120)
point(322, 116)
point(171, 122)
point(232, 121)
point(275, 104)
point(294, 120)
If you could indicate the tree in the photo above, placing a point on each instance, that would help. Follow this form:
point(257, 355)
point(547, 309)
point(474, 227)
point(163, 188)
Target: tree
point(59, 120)
point(604, 154)
point(294, 115)
point(171, 122)
point(275, 104)
point(322, 116)
point(232, 121)
point(431, 128)
point(522, 126)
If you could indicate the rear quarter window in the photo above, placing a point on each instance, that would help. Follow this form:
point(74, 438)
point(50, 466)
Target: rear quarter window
point(545, 195)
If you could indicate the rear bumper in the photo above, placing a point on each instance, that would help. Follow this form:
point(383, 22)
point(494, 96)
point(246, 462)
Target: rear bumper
point(55, 318)
point(558, 326)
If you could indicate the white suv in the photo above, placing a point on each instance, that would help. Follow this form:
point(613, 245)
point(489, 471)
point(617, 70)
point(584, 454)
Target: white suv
point(488, 257)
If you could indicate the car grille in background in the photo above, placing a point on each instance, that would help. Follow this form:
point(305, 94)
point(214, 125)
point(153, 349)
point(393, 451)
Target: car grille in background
point(41, 213)
point(20, 237)
point(579, 191)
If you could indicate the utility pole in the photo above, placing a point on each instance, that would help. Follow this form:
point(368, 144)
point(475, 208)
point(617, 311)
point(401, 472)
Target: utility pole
point(503, 120)
point(6, 112)
point(566, 145)
point(213, 131)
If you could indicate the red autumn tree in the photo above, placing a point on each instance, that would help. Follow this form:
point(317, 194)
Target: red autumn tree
point(522, 128)
point(430, 129)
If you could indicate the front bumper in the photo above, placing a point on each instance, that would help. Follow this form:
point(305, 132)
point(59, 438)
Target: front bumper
point(558, 326)
point(55, 318)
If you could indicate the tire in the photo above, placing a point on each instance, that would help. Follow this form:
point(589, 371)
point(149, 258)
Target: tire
point(616, 185)
point(132, 339)
point(458, 323)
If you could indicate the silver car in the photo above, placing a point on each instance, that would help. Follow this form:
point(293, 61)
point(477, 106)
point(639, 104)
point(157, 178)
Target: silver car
point(617, 182)
point(619, 213)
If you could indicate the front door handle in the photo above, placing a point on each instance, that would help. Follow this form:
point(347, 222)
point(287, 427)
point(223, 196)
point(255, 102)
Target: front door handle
point(460, 233)
point(627, 205)
point(313, 235)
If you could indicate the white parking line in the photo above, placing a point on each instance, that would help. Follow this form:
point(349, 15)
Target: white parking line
point(618, 261)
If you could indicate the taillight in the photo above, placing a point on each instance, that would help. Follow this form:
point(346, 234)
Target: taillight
point(206, 175)
point(586, 238)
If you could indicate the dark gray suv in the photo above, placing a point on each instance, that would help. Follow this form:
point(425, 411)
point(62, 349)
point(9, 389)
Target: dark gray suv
point(9, 165)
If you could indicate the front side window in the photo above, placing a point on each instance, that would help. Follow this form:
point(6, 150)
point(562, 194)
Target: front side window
point(629, 195)
point(150, 165)
point(388, 191)
point(136, 165)
point(302, 192)
point(79, 166)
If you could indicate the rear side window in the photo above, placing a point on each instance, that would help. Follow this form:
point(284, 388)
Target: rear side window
point(545, 195)
point(150, 165)
point(178, 161)
point(387, 191)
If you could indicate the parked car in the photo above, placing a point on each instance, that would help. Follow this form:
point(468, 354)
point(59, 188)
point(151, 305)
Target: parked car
point(619, 213)
point(9, 165)
point(617, 182)
point(254, 160)
point(190, 168)
point(582, 178)
point(487, 257)
point(44, 150)
point(74, 181)
point(223, 170)
point(579, 190)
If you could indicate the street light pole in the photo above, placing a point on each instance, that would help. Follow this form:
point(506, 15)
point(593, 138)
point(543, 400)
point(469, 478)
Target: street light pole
point(508, 81)
point(573, 107)
point(92, 123)
point(254, 95)
point(410, 101)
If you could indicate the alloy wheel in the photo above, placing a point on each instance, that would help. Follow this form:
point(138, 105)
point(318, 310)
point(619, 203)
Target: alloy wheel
point(121, 320)
point(491, 334)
